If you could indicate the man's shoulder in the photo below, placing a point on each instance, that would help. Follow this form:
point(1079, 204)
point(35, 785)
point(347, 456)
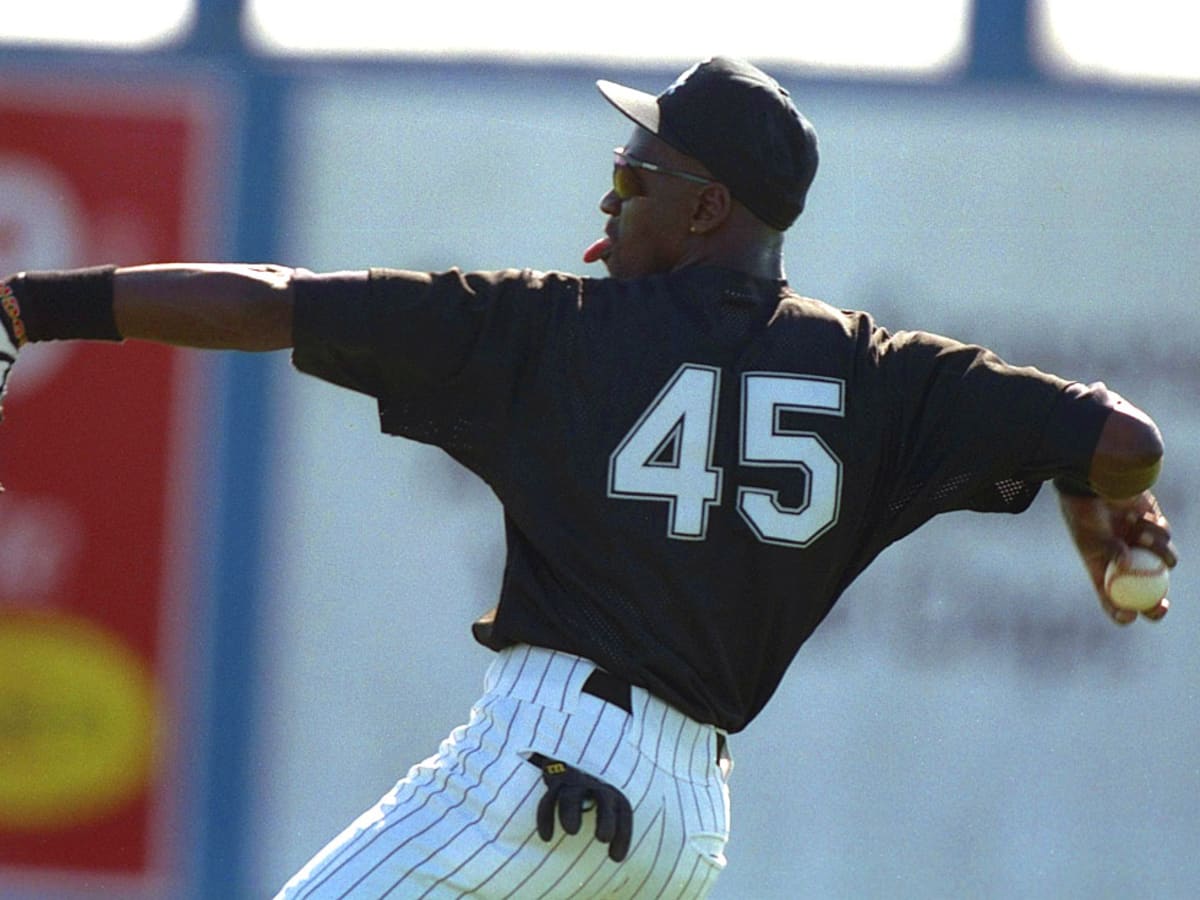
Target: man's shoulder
point(855, 324)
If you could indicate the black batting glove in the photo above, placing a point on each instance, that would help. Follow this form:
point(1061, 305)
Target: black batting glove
point(571, 792)
point(12, 335)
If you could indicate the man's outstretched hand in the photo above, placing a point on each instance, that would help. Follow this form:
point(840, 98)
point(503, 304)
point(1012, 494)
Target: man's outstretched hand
point(1107, 529)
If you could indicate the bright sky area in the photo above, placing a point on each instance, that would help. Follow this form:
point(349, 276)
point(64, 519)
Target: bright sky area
point(1151, 41)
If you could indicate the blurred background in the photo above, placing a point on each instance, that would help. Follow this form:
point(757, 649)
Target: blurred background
point(232, 613)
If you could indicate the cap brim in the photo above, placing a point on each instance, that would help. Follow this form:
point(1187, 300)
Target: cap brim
point(639, 106)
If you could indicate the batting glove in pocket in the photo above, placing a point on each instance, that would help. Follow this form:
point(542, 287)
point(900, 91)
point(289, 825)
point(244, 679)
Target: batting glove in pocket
point(570, 793)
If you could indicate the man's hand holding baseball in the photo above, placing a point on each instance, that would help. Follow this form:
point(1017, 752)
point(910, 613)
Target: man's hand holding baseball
point(1105, 529)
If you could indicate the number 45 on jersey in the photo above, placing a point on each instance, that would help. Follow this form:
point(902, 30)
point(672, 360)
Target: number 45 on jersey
point(667, 456)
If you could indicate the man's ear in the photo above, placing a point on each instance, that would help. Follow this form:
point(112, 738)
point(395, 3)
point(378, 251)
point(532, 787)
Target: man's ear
point(713, 206)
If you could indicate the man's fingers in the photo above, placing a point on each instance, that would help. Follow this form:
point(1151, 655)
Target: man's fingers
point(1122, 616)
point(1157, 538)
point(1159, 611)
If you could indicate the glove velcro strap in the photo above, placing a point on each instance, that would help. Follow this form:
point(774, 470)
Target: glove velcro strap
point(65, 305)
point(546, 763)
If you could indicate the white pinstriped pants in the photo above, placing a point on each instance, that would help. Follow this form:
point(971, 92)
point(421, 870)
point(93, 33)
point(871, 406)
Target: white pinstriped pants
point(462, 823)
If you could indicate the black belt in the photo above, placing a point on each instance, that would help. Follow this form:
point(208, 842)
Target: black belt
point(610, 689)
point(614, 690)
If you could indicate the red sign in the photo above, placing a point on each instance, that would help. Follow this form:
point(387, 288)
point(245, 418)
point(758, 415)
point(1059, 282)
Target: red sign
point(97, 460)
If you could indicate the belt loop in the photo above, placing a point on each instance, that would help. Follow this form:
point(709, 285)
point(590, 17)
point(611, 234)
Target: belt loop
point(724, 758)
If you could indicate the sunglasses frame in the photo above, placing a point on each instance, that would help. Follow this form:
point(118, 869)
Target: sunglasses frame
point(623, 159)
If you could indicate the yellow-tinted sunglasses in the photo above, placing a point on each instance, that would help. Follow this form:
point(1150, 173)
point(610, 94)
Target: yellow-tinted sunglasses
point(628, 183)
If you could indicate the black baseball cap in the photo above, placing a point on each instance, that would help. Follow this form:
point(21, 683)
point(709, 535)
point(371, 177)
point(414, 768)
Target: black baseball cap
point(737, 121)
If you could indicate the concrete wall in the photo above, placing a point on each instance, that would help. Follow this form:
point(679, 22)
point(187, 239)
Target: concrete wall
point(967, 723)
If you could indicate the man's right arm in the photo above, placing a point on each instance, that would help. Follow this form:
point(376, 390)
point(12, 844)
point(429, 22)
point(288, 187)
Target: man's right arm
point(205, 305)
point(212, 306)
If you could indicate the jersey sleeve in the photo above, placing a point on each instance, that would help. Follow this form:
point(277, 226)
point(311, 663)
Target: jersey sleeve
point(1071, 435)
point(331, 329)
point(974, 432)
point(441, 353)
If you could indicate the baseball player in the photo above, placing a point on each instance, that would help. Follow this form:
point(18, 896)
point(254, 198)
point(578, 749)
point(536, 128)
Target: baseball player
point(694, 462)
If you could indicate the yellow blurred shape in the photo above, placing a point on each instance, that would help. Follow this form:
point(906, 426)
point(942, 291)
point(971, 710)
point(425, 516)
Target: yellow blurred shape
point(77, 721)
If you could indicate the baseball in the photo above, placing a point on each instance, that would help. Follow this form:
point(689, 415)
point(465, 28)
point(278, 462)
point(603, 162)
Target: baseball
point(1141, 584)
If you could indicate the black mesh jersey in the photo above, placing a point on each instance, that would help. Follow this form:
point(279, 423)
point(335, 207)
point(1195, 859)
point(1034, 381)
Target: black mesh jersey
point(693, 466)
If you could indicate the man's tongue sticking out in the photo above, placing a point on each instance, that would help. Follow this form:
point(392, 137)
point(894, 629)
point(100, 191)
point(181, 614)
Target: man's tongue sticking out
point(598, 250)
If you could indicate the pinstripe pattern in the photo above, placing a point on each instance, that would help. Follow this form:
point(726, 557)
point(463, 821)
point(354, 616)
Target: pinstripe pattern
point(462, 822)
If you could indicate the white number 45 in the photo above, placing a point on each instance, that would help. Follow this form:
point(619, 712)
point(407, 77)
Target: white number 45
point(668, 454)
